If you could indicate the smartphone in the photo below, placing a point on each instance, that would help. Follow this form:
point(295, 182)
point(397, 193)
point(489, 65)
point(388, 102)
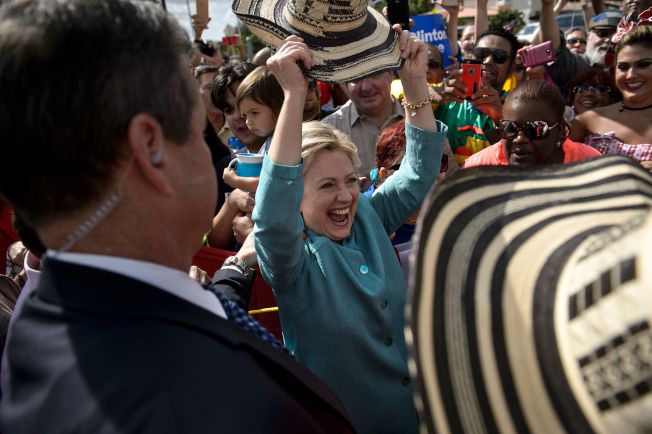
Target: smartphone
point(398, 12)
point(472, 76)
point(202, 9)
point(538, 55)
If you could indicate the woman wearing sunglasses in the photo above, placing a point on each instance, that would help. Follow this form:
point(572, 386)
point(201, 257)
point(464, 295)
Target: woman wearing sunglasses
point(533, 130)
point(625, 127)
point(592, 88)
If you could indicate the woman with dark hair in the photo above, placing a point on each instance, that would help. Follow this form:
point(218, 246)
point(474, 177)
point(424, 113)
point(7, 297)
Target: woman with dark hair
point(533, 130)
point(591, 88)
point(625, 128)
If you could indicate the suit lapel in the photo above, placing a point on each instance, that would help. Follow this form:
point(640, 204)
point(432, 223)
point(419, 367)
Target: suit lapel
point(98, 291)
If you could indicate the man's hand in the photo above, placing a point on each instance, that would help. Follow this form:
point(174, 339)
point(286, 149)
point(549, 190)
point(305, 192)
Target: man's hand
point(243, 225)
point(242, 200)
point(198, 25)
point(199, 275)
point(453, 90)
point(487, 100)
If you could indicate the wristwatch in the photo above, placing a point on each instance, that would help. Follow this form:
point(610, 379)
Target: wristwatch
point(235, 261)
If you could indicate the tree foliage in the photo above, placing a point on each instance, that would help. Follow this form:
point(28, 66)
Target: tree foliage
point(508, 17)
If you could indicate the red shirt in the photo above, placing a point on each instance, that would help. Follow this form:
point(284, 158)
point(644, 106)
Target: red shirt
point(494, 155)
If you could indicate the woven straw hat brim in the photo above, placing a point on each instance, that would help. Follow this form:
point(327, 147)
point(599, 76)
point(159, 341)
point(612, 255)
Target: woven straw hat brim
point(529, 309)
point(341, 52)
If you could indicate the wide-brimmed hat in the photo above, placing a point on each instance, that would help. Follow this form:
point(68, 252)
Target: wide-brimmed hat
point(348, 39)
point(531, 301)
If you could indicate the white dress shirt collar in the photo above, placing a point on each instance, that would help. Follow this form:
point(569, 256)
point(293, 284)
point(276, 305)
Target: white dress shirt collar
point(168, 279)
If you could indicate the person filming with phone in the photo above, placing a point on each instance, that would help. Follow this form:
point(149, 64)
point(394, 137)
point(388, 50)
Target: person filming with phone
point(469, 115)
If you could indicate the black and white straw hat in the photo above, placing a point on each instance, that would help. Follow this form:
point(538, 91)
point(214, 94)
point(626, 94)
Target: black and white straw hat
point(531, 301)
point(349, 40)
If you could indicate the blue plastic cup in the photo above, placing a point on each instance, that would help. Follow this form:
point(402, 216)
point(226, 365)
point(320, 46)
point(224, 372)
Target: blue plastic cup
point(248, 164)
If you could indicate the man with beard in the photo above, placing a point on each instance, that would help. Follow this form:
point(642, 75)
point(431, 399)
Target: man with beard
point(568, 63)
point(468, 120)
point(601, 28)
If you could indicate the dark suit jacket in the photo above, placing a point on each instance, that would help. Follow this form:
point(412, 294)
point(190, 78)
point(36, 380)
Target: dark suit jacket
point(97, 352)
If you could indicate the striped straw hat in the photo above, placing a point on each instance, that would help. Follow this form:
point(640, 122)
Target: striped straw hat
point(348, 39)
point(531, 301)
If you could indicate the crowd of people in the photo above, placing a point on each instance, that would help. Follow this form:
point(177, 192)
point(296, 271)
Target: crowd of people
point(107, 326)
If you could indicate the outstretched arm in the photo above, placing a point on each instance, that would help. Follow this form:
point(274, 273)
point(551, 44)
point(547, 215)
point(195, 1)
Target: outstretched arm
point(286, 143)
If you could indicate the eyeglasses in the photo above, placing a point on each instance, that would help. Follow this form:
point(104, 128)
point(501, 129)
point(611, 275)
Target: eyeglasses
point(442, 168)
point(573, 41)
point(433, 64)
point(533, 130)
point(499, 56)
point(599, 88)
point(603, 33)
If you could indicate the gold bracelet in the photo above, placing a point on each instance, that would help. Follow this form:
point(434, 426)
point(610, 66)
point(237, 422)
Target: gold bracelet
point(415, 107)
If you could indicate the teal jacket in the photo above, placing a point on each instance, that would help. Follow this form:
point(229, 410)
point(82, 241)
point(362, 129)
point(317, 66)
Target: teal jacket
point(341, 305)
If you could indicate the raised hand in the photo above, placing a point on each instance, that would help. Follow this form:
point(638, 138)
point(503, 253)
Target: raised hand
point(284, 64)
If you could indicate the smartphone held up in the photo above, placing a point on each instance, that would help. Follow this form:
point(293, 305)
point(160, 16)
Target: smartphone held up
point(398, 12)
point(472, 76)
point(538, 55)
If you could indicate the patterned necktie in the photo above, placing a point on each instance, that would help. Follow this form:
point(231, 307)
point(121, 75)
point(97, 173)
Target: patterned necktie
point(241, 318)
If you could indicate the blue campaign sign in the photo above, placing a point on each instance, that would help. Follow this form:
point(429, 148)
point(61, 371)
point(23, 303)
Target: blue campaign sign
point(431, 29)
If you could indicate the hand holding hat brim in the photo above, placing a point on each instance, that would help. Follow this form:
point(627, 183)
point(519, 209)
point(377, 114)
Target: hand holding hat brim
point(287, 63)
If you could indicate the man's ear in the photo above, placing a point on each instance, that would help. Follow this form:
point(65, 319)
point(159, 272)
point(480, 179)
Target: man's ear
point(147, 142)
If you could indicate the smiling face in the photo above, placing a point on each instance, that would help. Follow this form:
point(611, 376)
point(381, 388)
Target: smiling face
point(330, 195)
point(494, 73)
point(260, 119)
point(522, 150)
point(634, 74)
point(587, 96)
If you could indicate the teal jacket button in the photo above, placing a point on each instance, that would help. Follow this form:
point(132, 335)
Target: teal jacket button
point(384, 304)
point(364, 269)
point(388, 342)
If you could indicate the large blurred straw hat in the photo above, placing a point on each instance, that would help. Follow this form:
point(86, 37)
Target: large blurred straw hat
point(349, 40)
point(531, 301)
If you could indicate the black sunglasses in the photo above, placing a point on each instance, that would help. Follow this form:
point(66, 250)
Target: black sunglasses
point(442, 168)
point(499, 56)
point(599, 88)
point(604, 33)
point(533, 130)
point(573, 41)
point(433, 64)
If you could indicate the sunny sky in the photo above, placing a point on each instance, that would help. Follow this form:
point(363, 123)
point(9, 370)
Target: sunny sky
point(219, 11)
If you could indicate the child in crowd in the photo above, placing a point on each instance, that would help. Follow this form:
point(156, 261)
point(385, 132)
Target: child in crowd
point(259, 98)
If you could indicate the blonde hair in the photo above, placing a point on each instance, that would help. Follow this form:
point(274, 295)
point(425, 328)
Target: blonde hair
point(318, 136)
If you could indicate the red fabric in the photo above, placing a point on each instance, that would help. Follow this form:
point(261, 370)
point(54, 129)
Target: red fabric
point(7, 234)
point(210, 259)
point(495, 156)
point(325, 92)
